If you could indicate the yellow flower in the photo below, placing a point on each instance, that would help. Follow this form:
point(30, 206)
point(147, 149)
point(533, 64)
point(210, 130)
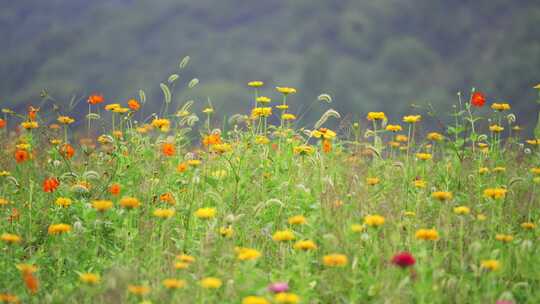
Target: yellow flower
point(483, 170)
point(138, 290)
point(528, 225)
point(211, 283)
point(427, 234)
point(89, 278)
point(505, 238)
point(254, 300)
point(412, 118)
point(533, 142)
point(371, 116)
point(500, 106)
point(8, 298)
point(283, 235)
point(282, 107)
point(59, 229)
point(535, 170)
point(297, 220)
point(30, 125)
point(221, 148)
point(372, 181)
point(288, 116)
point(130, 202)
point(481, 217)
point(442, 195)
point(496, 128)
point(287, 298)
point(434, 136)
point(255, 84)
point(65, 120)
point(174, 283)
point(491, 265)
point(102, 205)
point(63, 202)
point(247, 254)
point(181, 265)
point(335, 260)
point(4, 173)
point(418, 183)
point(27, 268)
point(357, 228)
point(120, 110)
point(263, 99)
point(162, 124)
point(537, 86)
point(424, 156)
point(286, 90)
point(262, 140)
point(303, 150)
point(10, 238)
point(163, 213)
point(374, 220)
point(186, 258)
point(205, 213)
point(305, 245)
point(226, 231)
point(499, 169)
point(401, 138)
point(112, 106)
point(462, 210)
point(261, 112)
point(495, 193)
point(393, 128)
point(194, 162)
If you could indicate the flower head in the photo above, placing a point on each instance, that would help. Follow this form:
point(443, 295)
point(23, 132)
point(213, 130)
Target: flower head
point(90, 278)
point(491, 265)
point(412, 118)
point(371, 116)
point(335, 260)
point(278, 287)
point(283, 235)
point(59, 228)
point(478, 99)
point(95, 99)
point(500, 107)
point(211, 283)
point(374, 220)
point(205, 213)
point(403, 259)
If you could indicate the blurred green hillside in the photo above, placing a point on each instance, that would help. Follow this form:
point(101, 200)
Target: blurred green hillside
point(369, 55)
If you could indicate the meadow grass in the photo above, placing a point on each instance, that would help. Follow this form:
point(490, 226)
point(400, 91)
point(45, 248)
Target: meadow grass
point(259, 210)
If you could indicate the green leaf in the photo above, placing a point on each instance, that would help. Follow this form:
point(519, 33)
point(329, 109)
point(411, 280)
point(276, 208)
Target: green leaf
point(184, 62)
point(166, 92)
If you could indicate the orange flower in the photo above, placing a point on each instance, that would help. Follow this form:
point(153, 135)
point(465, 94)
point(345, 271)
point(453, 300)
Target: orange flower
point(50, 184)
point(95, 99)
point(2, 123)
point(21, 156)
point(32, 112)
point(133, 105)
point(30, 281)
point(168, 149)
point(182, 167)
point(115, 189)
point(167, 198)
point(326, 146)
point(67, 151)
point(212, 139)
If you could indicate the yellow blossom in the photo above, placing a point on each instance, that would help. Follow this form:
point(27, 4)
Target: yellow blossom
point(59, 229)
point(205, 213)
point(495, 193)
point(65, 120)
point(442, 195)
point(286, 298)
point(335, 260)
point(10, 238)
point(528, 225)
point(500, 106)
point(374, 220)
point(424, 156)
point(412, 118)
point(491, 265)
point(174, 283)
point(211, 283)
point(89, 278)
point(371, 116)
point(297, 220)
point(286, 90)
point(506, 238)
point(263, 99)
point(247, 254)
point(393, 128)
point(63, 202)
point(427, 234)
point(254, 300)
point(434, 136)
point(283, 235)
point(462, 210)
point(255, 84)
point(496, 128)
point(163, 213)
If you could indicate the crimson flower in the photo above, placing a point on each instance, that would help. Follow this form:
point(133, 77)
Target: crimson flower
point(478, 99)
point(403, 259)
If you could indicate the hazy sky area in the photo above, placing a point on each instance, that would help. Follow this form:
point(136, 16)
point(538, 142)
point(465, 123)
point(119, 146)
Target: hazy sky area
point(369, 55)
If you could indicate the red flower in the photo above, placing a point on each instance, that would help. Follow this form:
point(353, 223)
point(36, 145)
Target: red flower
point(21, 156)
point(134, 105)
point(403, 259)
point(2, 123)
point(478, 99)
point(67, 151)
point(115, 189)
point(95, 99)
point(50, 184)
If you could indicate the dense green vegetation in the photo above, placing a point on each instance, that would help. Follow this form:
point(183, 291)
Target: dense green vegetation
point(383, 54)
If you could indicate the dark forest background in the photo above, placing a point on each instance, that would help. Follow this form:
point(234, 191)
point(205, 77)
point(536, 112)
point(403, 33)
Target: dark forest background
point(378, 55)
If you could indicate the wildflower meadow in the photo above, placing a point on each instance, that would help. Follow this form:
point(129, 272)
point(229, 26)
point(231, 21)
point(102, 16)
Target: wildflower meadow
point(126, 204)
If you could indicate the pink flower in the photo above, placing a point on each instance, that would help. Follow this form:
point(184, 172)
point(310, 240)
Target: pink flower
point(278, 287)
point(403, 259)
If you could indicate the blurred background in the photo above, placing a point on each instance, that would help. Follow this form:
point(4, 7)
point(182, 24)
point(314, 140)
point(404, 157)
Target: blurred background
point(381, 55)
